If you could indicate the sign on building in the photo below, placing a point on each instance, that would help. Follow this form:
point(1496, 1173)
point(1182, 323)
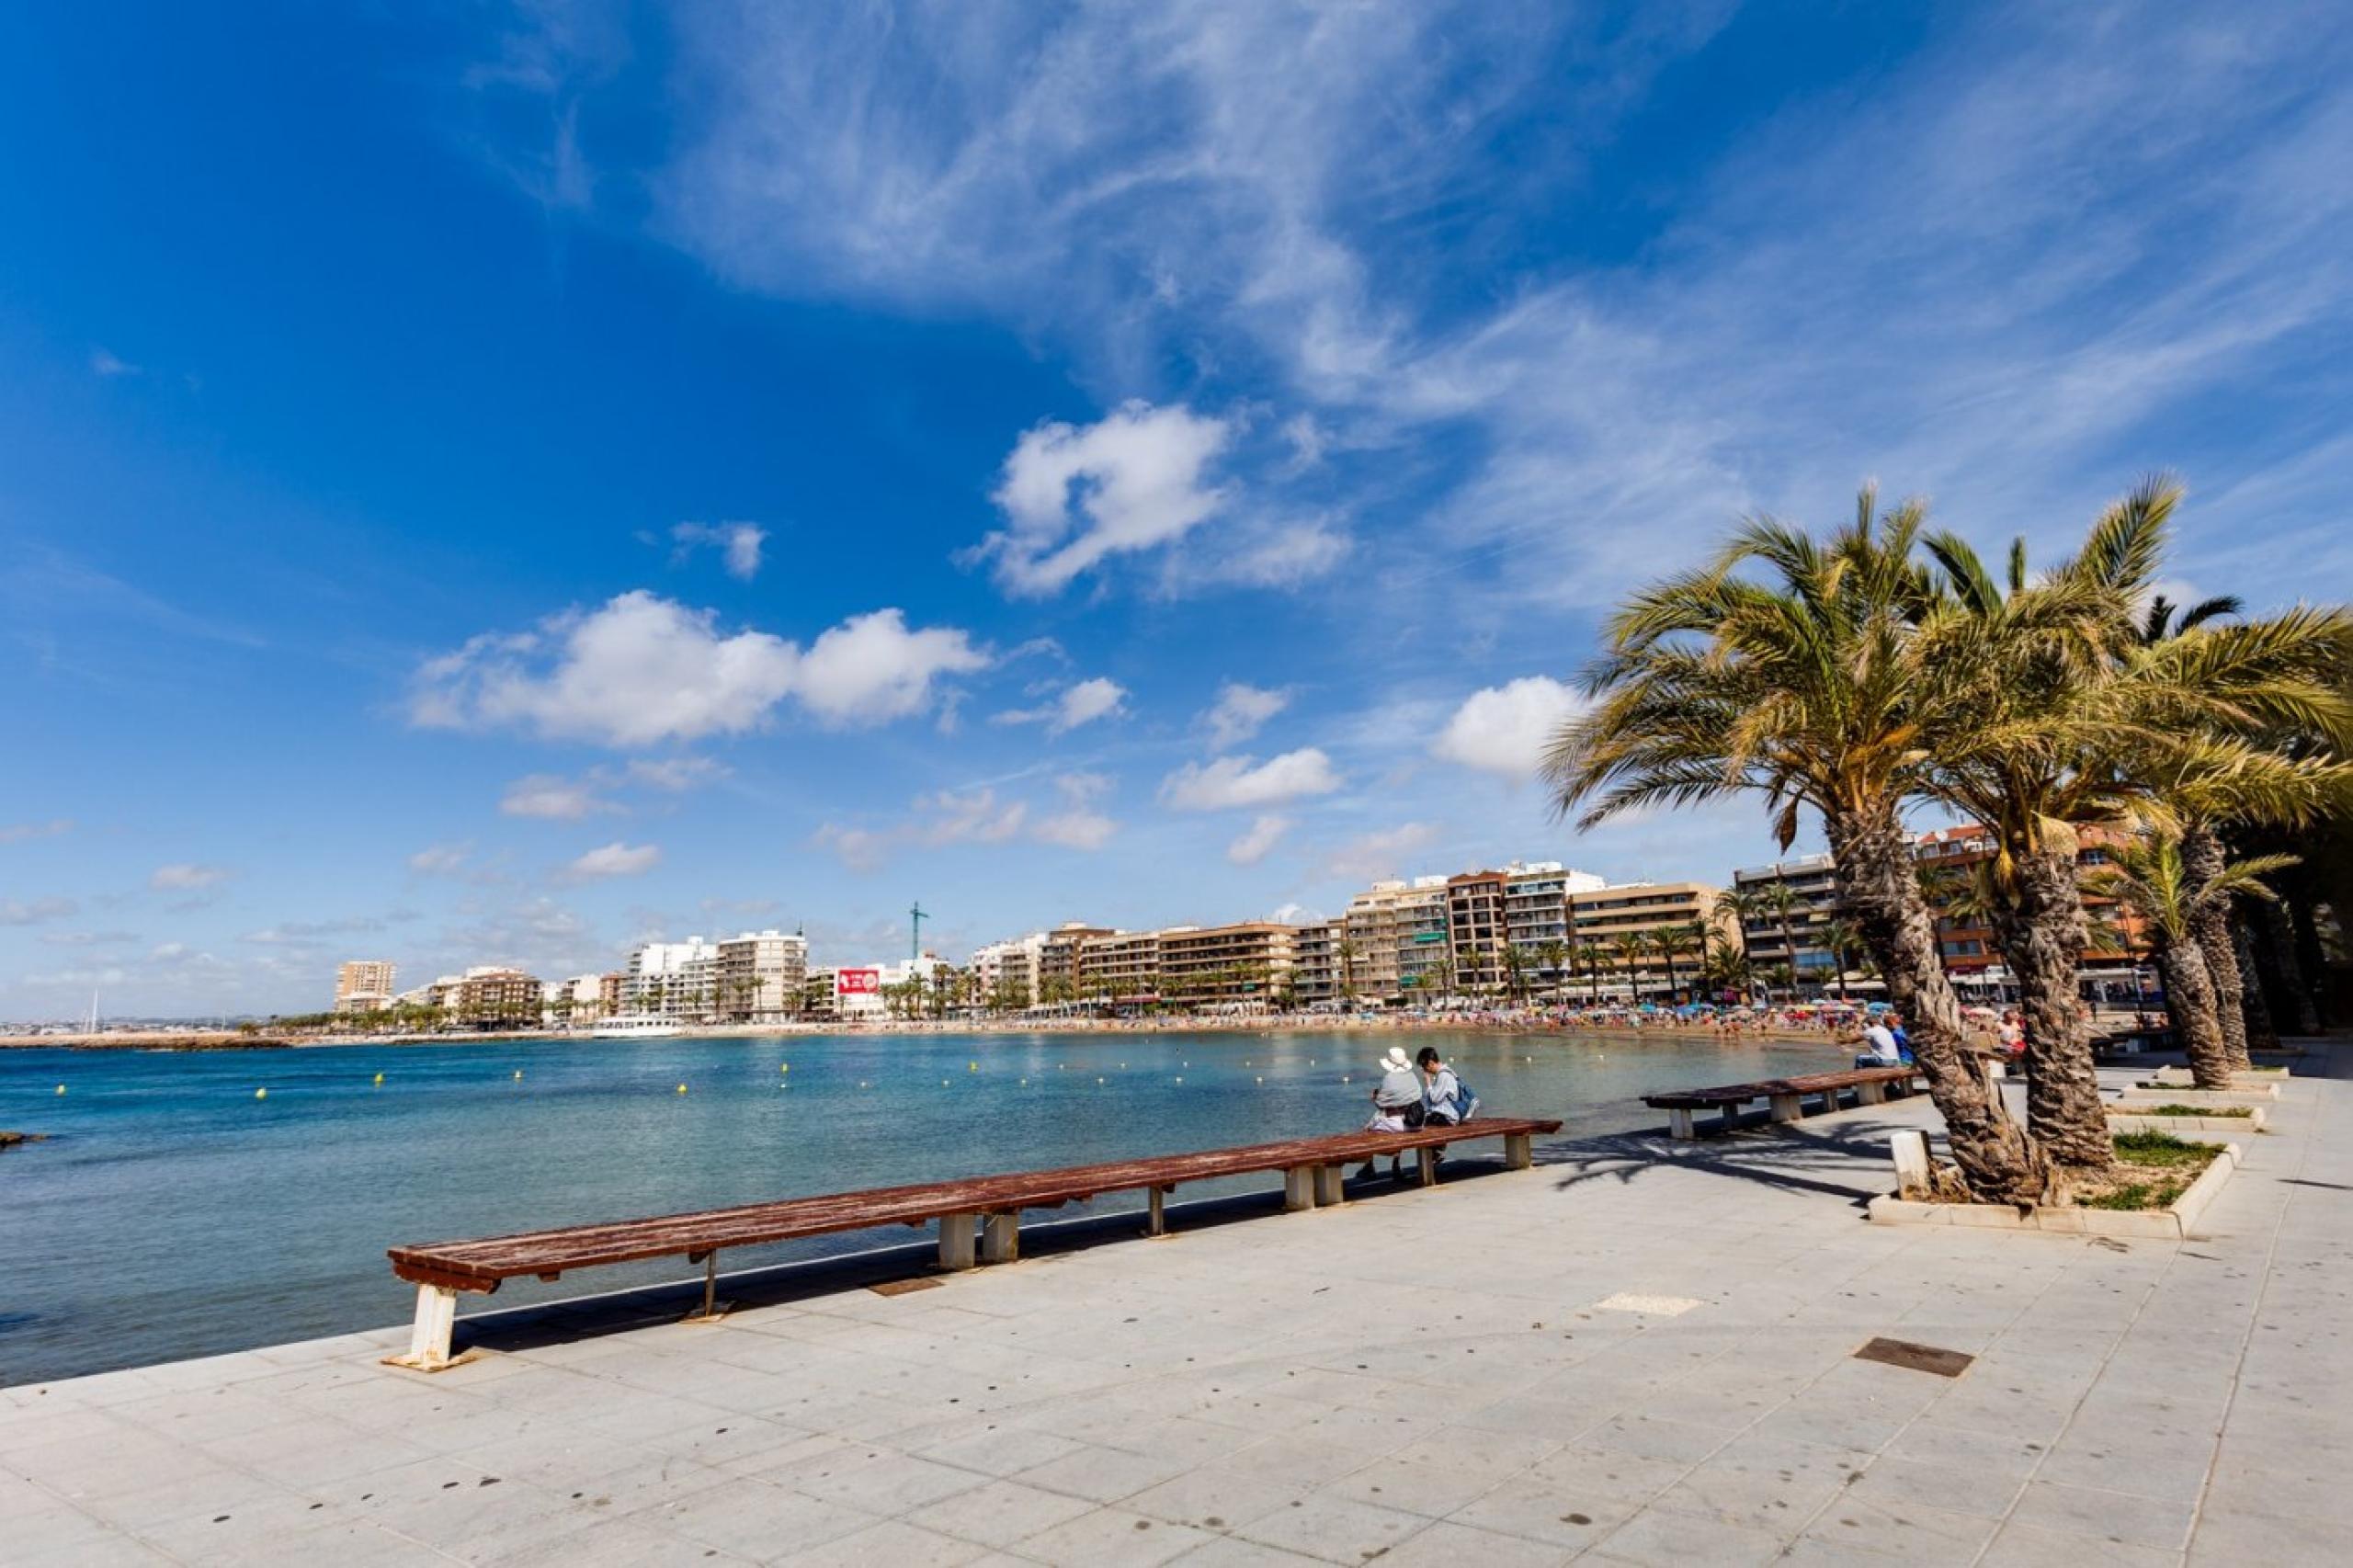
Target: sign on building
point(858, 982)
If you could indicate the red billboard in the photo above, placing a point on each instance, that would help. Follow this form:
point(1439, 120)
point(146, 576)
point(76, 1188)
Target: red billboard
point(858, 982)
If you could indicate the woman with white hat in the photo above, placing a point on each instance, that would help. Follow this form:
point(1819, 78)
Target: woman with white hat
point(1396, 1106)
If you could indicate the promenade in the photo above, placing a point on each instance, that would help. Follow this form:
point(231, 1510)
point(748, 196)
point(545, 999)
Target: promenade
point(1640, 1352)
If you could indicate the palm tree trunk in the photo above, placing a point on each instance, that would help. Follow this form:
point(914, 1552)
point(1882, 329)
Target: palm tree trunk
point(2042, 932)
point(2202, 860)
point(2190, 997)
point(1879, 892)
point(2281, 937)
point(2253, 1004)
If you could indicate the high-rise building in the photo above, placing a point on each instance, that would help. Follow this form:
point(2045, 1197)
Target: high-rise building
point(363, 986)
point(491, 997)
point(1121, 968)
point(673, 980)
point(1642, 935)
point(760, 976)
point(1247, 965)
point(1812, 904)
point(1316, 962)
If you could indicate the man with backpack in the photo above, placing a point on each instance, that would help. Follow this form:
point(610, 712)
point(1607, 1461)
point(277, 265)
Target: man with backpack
point(1444, 1096)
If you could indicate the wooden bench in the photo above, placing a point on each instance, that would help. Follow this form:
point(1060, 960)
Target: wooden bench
point(1312, 1170)
point(1787, 1096)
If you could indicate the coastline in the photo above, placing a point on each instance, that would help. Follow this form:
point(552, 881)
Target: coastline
point(180, 1040)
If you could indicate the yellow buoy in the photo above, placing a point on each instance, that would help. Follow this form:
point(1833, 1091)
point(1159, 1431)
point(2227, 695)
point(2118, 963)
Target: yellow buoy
point(971, 1066)
point(682, 1088)
point(379, 1078)
point(61, 1088)
point(261, 1094)
point(784, 1066)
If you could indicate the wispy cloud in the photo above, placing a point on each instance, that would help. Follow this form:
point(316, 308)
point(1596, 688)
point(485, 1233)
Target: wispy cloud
point(25, 832)
point(187, 878)
point(738, 545)
point(1081, 702)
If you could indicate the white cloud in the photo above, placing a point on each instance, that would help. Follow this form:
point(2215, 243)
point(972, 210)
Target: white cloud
point(103, 362)
point(870, 669)
point(737, 543)
point(1232, 781)
point(1259, 841)
point(1074, 824)
point(1503, 730)
point(1076, 496)
point(1240, 711)
point(555, 798)
point(15, 912)
point(1080, 703)
point(1372, 855)
point(187, 878)
point(676, 774)
point(440, 859)
point(615, 859)
point(19, 833)
point(642, 669)
point(979, 816)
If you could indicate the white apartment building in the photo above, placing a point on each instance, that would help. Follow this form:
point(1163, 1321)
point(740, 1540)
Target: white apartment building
point(672, 980)
point(579, 1000)
point(760, 976)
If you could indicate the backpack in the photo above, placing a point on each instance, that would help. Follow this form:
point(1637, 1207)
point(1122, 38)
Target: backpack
point(1466, 1104)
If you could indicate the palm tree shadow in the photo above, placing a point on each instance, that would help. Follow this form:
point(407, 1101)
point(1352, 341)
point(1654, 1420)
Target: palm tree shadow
point(1845, 1161)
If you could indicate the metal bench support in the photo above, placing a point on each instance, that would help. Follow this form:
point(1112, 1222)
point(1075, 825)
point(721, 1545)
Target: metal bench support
point(1001, 1239)
point(955, 1241)
point(712, 1308)
point(1156, 1199)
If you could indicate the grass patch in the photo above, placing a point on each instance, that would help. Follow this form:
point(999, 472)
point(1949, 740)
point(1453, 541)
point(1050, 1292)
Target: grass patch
point(2163, 1149)
point(2239, 1110)
point(2139, 1194)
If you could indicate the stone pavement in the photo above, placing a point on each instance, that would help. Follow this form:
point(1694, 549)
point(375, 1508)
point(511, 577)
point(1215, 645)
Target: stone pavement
point(1640, 1352)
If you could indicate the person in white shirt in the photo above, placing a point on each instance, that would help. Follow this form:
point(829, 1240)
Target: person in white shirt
point(1880, 1037)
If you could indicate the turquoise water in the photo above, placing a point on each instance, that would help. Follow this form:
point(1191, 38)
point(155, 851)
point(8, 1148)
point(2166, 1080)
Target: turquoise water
point(171, 1213)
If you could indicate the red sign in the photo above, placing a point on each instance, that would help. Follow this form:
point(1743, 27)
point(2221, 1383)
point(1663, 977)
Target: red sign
point(858, 982)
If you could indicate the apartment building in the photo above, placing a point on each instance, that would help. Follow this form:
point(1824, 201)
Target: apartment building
point(1008, 971)
point(1475, 929)
point(489, 997)
point(579, 1000)
point(1058, 961)
point(673, 980)
point(1316, 973)
point(1226, 966)
point(1121, 967)
point(1967, 944)
point(760, 976)
point(1812, 905)
point(1645, 913)
point(1372, 936)
point(1424, 950)
point(363, 986)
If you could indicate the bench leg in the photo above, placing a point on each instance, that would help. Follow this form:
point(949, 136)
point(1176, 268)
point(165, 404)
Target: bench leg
point(429, 1337)
point(955, 1241)
point(1299, 1188)
point(1428, 1160)
point(1870, 1094)
point(1732, 1111)
point(1679, 1125)
point(1329, 1192)
point(712, 1308)
point(1519, 1151)
point(1157, 1201)
point(1001, 1239)
point(1787, 1107)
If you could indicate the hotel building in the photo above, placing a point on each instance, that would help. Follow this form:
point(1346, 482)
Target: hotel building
point(1645, 913)
point(760, 975)
point(1225, 966)
point(363, 986)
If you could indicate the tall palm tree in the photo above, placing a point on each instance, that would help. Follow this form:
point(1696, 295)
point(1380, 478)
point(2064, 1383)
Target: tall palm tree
point(2065, 709)
point(1780, 901)
point(1747, 906)
point(1630, 948)
point(1589, 951)
point(2153, 881)
point(1802, 683)
point(1843, 939)
point(1554, 954)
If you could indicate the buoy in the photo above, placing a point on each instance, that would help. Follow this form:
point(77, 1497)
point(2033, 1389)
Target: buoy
point(784, 1066)
point(971, 1066)
point(861, 1082)
point(61, 1088)
point(943, 1083)
point(682, 1088)
point(379, 1078)
point(1262, 1080)
point(519, 1074)
point(1098, 1080)
point(1180, 1077)
point(261, 1094)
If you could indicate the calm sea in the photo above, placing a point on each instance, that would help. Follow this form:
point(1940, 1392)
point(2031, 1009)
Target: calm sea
point(172, 1213)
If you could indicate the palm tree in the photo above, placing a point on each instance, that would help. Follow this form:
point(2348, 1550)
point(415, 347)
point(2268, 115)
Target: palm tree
point(2153, 881)
point(2064, 713)
point(1554, 954)
point(1746, 906)
point(1779, 899)
point(1842, 939)
point(1347, 954)
point(1803, 685)
point(1590, 952)
point(1630, 948)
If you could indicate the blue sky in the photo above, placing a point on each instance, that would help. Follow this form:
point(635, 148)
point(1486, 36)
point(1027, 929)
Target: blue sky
point(495, 483)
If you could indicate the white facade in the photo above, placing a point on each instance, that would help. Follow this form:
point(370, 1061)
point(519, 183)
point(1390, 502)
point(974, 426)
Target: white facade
point(760, 975)
point(672, 980)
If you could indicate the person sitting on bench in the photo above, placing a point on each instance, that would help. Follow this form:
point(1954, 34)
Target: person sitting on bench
point(1397, 1107)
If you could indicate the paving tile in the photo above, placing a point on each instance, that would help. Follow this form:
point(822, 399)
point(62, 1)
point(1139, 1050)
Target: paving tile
point(999, 1513)
point(1449, 1545)
point(1768, 1481)
point(1103, 1475)
point(753, 1518)
point(2018, 1545)
point(1214, 1499)
point(1112, 1538)
point(1656, 1538)
point(2108, 1515)
point(1337, 1529)
point(891, 1544)
point(1908, 1531)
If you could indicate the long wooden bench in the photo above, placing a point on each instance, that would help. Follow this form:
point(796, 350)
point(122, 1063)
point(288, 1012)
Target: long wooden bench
point(1312, 1170)
point(1787, 1096)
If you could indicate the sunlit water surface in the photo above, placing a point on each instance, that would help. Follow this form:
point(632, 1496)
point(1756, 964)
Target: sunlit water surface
point(172, 1213)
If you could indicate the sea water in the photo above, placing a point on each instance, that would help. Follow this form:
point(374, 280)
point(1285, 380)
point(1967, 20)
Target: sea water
point(172, 1212)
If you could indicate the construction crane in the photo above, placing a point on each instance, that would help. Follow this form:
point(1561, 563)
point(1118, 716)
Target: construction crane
point(916, 917)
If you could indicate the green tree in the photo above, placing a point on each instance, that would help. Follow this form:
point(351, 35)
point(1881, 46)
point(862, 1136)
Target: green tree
point(2152, 879)
point(1788, 667)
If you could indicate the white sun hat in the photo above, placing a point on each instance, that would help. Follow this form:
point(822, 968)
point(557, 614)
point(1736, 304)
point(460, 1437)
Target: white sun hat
point(1396, 1061)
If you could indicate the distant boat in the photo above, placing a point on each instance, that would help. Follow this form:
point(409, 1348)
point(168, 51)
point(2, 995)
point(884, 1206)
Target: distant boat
point(633, 1029)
